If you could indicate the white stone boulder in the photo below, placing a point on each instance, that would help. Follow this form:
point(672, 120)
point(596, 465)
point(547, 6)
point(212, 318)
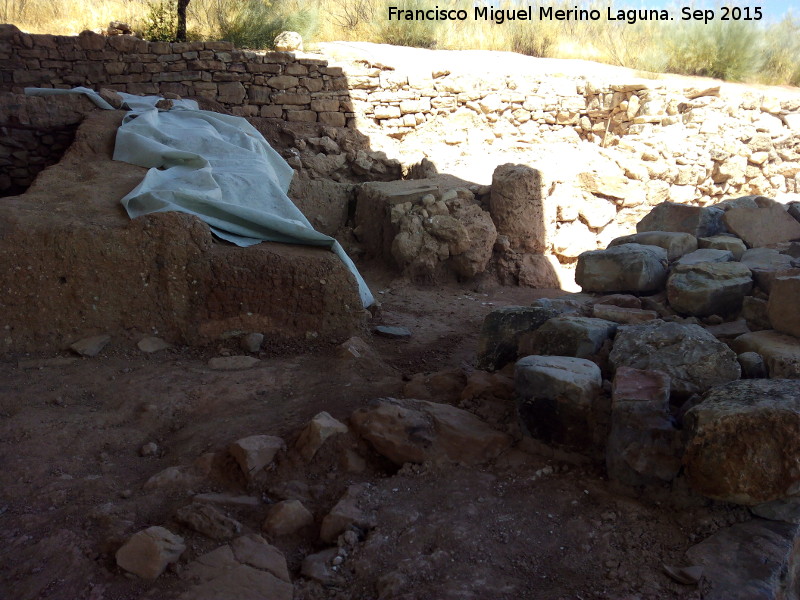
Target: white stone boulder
point(625, 268)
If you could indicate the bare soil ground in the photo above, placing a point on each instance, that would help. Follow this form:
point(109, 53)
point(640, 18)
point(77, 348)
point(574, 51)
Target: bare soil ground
point(536, 524)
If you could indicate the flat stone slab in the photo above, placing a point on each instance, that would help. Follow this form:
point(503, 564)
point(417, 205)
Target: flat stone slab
point(781, 353)
point(669, 216)
point(754, 560)
point(232, 363)
point(623, 315)
point(705, 255)
point(397, 333)
point(676, 243)
point(760, 227)
point(625, 268)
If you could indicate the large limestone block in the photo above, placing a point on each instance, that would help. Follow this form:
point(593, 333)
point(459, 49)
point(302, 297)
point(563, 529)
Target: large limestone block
point(517, 207)
point(557, 397)
point(692, 357)
point(783, 307)
point(767, 264)
point(625, 268)
point(643, 446)
point(148, 552)
point(760, 227)
point(418, 431)
point(708, 288)
point(501, 332)
point(781, 353)
point(744, 441)
point(669, 216)
point(675, 243)
point(570, 335)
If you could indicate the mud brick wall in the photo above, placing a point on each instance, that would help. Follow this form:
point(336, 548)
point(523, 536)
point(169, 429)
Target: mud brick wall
point(277, 85)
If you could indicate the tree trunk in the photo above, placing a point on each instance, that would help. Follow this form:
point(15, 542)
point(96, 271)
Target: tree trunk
point(180, 34)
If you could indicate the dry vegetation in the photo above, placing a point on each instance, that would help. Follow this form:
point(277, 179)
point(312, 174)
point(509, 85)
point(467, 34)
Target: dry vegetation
point(766, 51)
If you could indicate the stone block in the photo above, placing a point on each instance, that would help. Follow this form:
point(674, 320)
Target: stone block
point(498, 343)
point(692, 357)
point(743, 445)
point(668, 216)
point(675, 243)
point(625, 268)
point(783, 307)
point(643, 446)
point(556, 399)
point(707, 288)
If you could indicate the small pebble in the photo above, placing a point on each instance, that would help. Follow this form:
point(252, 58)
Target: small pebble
point(149, 449)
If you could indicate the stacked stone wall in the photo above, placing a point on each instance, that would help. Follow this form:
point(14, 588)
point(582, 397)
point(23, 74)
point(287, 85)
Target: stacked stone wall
point(277, 85)
point(710, 145)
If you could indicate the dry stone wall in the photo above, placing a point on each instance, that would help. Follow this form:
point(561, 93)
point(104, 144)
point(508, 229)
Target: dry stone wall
point(251, 84)
point(705, 143)
point(607, 150)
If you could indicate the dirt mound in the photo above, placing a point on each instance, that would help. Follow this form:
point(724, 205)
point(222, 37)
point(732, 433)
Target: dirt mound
point(74, 265)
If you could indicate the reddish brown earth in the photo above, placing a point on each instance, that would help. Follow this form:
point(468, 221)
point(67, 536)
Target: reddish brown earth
point(534, 524)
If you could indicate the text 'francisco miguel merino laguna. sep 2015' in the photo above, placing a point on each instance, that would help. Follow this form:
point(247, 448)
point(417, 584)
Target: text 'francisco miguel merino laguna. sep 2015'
point(549, 13)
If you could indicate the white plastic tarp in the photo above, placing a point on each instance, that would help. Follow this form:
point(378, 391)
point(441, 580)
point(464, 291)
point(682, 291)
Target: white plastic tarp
point(217, 167)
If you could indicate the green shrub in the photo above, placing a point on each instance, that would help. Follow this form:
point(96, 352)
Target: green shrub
point(161, 21)
point(782, 54)
point(525, 38)
point(728, 50)
point(417, 34)
point(254, 24)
